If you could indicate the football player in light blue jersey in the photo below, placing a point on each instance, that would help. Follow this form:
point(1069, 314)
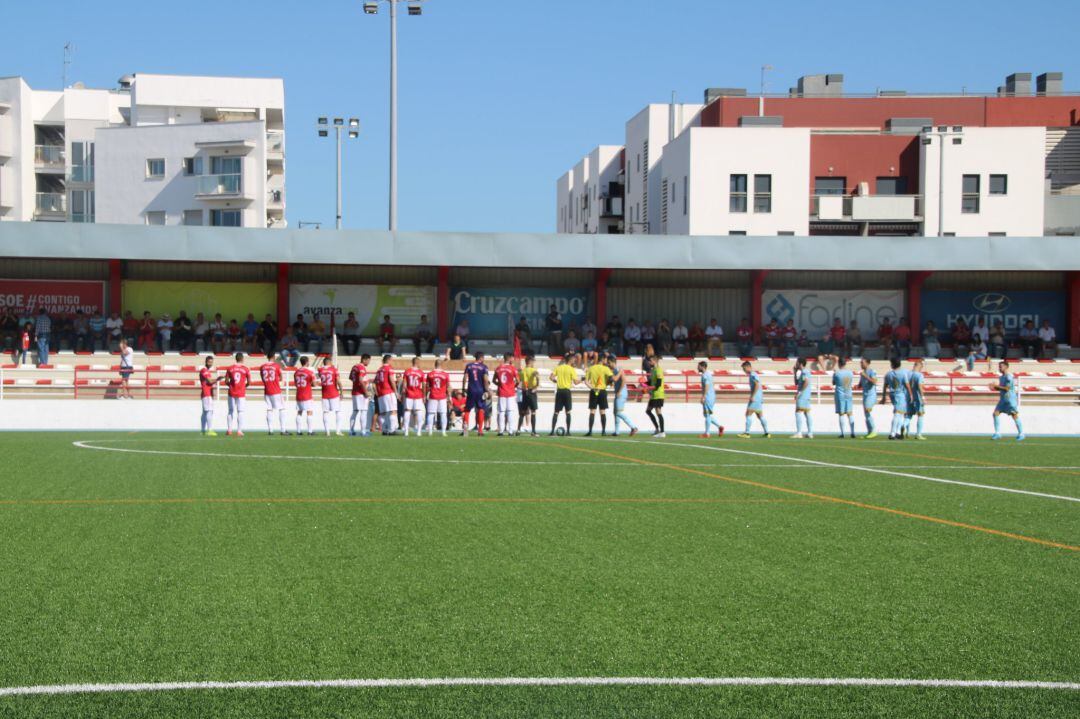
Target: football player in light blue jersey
point(802, 400)
point(916, 402)
point(708, 400)
point(1008, 402)
point(622, 394)
point(842, 381)
point(756, 405)
point(896, 391)
point(868, 387)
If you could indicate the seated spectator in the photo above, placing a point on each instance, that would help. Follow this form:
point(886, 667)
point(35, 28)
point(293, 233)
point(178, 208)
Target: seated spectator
point(218, 334)
point(9, 327)
point(251, 332)
point(236, 336)
point(632, 338)
point(998, 347)
point(268, 334)
point(114, 331)
point(789, 335)
point(976, 352)
point(804, 340)
point(290, 347)
point(826, 345)
point(201, 332)
point(463, 330)
point(961, 336)
point(147, 333)
point(457, 349)
point(931, 340)
point(608, 344)
point(571, 345)
point(697, 339)
point(838, 335)
point(853, 341)
point(744, 338)
point(590, 349)
point(182, 332)
point(1048, 340)
point(164, 332)
point(80, 327)
point(62, 333)
point(300, 331)
point(98, 333)
point(129, 328)
point(648, 334)
point(771, 333)
point(317, 334)
point(714, 339)
point(350, 335)
point(614, 330)
point(902, 337)
point(388, 335)
point(680, 338)
point(663, 337)
point(424, 337)
point(980, 329)
point(457, 407)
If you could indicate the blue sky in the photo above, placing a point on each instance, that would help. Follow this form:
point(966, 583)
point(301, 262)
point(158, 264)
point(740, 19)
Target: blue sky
point(498, 98)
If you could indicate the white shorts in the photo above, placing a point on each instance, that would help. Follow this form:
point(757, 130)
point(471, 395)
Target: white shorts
point(237, 404)
point(359, 402)
point(331, 405)
point(507, 404)
point(414, 404)
point(387, 404)
point(303, 405)
point(436, 406)
point(274, 401)
point(207, 403)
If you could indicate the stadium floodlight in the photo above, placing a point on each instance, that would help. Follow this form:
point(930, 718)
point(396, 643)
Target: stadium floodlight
point(323, 133)
point(323, 125)
point(354, 122)
point(339, 121)
point(322, 120)
point(371, 8)
point(416, 9)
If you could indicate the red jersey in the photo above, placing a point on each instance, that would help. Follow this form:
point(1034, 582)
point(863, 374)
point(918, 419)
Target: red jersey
point(207, 380)
point(438, 383)
point(506, 377)
point(270, 373)
point(304, 379)
point(238, 377)
point(789, 333)
point(838, 333)
point(772, 331)
point(358, 377)
point(328, 379)
point(384, 381)
point(414, 383)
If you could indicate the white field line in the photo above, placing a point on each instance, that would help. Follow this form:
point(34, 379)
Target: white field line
point(539, 682)
point(874, 470)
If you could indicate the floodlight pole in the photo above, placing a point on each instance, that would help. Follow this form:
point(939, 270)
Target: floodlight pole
point(337, 129)
point(393, 115)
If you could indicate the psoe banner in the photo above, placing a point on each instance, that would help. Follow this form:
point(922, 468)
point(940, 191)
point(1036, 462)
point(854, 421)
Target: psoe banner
point(815, 310)
point(493, 311)
point(58, 297)
point(1013, 309)
point(403, 303)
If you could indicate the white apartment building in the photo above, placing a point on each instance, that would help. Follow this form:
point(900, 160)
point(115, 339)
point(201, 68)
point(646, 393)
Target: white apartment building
point(158, 149)
point(647, 136)
point(590, 196)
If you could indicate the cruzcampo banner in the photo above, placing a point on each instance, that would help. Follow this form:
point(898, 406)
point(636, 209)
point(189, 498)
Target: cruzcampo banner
point(234, 300)
point(404, 304)
point(493, 311)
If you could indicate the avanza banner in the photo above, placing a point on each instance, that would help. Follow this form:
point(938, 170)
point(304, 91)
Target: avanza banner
point(492, 312)
point(815, 310)
point(58, 297)
point(404, 304)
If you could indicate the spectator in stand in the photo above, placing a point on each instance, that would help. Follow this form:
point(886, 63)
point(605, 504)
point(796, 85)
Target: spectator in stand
point(463, 330)
point(590, 349)
point(290, 347)
point(251, 333)
point(114, 331)
point(457, 349)
point(790, 336)
point(827, 347)
point(586, 327)
point(680, 338)
point(524, 332)
point(714, 339)
point(961, 337)
point(350, 335)
point(1047, 340)
point(977, 352)
point(838, 335)
point(317, 334)
point(571, 345)
point(22, 349)
point(697, 339)
point(632, 338)
point(902, 337)
point(663, 337)
point(127, 367)
point(608, 344)
point(9, 327)
point(268, 334)
point(771, 332)
point(300, 331)
point(980, 329)
point(129, 329)
point(202, 333)
point(98, 334)
point(553, 329)
point(744, 338)
point(648, 334)
point(388, 335)
point(182, 332)
point(218, 332)
point(998, 348)
point(236, 336)
point(853, 341)
point(614, 330)
point(804, 340)
point(931, 340)
point(885, 336)
point(42, 332)
point(80, 326)
point(424, 337)
point(147, 333)
point(62, 334)
point(164, 332)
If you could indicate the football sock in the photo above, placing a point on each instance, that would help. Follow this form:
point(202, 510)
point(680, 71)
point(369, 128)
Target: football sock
point(869, 423)
point(299, 416)
point(603, 423)
point(764, 424)
point(997, 424)
point(480, 419)
point(592, 420)
point(809, 423)
point(798, 423)
point(918, 424)
point(749, 419)
point(352, 420)
point(652, 418)
point(270, 420)
point(310, 419)
point(465, 420)
point(841, 419)
point(1019, 425)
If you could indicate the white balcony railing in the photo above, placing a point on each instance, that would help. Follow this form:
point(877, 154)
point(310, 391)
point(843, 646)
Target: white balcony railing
point(275, 142)
point(866, 208)
point(81, 173)
point(219, 185)
point(50, 203)
point(50, 155)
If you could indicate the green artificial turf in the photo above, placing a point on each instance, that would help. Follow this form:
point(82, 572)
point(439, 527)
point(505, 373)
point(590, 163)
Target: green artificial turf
point(525, 558)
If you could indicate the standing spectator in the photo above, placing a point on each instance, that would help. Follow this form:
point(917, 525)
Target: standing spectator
point(790, 335)
point(885, 336)
point(236, 334)
point(147, 333)
point(424, 337)
point(632, 337)
point(164, 332)
point(42, 332)
point(1047, 339)
point(81, 327)
point(902, 336)
point(553, 328)
point(290, 347)
point(648, 334)
point(772, 337)
point(202, 333)
point(268, 334)
point(714, 339)
point(614, 331)
point(838, 335)
point(218, 331)
point(853, 341)
point(680, 338)
point(457, 348)
point(127, 367)
point(998, 348)
point(697, 340)
point(9, 326)
point(388, 336)
point(98, 335)
point(251, 331)
point(931, 340)
point(22, 348)
point(300, 331)
point(130, 328)
point(980, 329)
point(114, 331)
point(663, 337)
point(744, 338)
point(524, 332)
point(182, 332)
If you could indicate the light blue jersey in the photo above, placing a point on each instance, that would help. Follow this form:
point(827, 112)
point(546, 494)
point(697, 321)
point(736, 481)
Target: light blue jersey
point(1008, 401)
point(916, 405)
point(802, 390)
point(868, 386)
point(894, 385)
point(622, 394)
point(842, 381)
point(757, 394)
point(708, 392)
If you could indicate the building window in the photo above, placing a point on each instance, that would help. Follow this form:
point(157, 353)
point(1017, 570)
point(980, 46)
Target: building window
point(999, 184)
point(891, 186)
point(192, 166)
point(737, 232)
point(829, 185)
point(82, 162)
point(738, 194)
point(969, 202)
point(155, 168)
point(225, 218)
point(82, 205)
point(685, 193)
point(763, 193)
point(155, 217)
point(639, 162)
point(998, 234)
point(785, 233)
point(193, 218)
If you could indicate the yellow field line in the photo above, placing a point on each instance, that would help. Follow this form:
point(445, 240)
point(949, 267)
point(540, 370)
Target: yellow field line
point(827, 498)
point(979, 462)
point(398, 500)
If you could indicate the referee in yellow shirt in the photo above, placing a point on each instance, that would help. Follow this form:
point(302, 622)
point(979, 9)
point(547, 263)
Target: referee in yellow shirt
point(530, 380)
point(598, 377)
point(564, 377)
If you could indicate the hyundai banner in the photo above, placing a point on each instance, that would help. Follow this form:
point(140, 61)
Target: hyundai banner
point(58, 297)
point(815, 310)
point(404, 304)
point(1013, 309)
point(492, 312)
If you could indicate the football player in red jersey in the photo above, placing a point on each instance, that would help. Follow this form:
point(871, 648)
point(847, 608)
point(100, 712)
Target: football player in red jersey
point(238, 377)
point(207, 379)
point(438, 382)
point(270, 374)
point(330, 382)
point(414, 397)
point(358, 377)
point(386, 390)
point(304, 379)
point(506, 378)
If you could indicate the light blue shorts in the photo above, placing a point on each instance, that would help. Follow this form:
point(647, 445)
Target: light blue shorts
point(1006, 406)
point(802, 403)
point(756, 405)
point(869, 401)
point(843, 404)
point(707, 407)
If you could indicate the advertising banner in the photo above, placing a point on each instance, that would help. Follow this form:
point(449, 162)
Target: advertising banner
point(945, 307)
point(58, 297)
point(403, 303)
point(493, 311)
point(234, 300)
point(815, 310)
